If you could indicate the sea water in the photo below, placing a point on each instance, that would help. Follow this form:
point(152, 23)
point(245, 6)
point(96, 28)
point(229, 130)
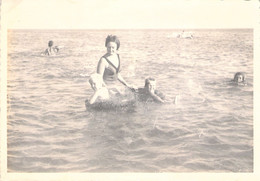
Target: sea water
point(208, 129)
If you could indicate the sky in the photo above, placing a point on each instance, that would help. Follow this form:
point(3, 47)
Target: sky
point(125, 14)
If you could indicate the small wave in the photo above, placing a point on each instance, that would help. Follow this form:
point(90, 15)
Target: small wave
point(84, 75)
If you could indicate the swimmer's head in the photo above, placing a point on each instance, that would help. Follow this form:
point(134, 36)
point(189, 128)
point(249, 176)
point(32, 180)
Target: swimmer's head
point(50, 43)
point(112, 38)
point(96, 81)
point(239, 77)
point(150, 83)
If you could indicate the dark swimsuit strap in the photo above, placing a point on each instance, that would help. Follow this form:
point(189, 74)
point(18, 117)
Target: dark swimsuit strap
point(118, 68)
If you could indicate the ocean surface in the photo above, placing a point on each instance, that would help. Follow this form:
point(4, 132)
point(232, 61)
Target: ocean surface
point(208, 129)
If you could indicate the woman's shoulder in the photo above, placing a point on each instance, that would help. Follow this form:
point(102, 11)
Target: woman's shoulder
point(109, 55)
point(103, 59)
point(105, 56)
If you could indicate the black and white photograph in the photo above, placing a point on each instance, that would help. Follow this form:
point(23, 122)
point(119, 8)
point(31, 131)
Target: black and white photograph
point(129, 90)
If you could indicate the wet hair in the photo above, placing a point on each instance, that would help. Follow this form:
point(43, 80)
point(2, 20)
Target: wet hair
point(50, 43)
point(148, 80)
point(238, 74)
point(112, 38)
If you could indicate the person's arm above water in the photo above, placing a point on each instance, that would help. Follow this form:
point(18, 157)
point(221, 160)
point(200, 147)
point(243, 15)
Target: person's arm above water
point(122, 80)
point(102, 64)
point(164, 98)
point(56, 49)
point(156, 97)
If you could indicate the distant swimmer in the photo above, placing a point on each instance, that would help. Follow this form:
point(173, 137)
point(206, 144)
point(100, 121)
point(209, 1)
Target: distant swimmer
point(240, 78)
point(51, 50)
point(187, 35)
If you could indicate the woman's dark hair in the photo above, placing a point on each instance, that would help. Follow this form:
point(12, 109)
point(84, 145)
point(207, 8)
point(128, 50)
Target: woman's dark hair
point(238, 74)
point(112, 38)
point(50, 43)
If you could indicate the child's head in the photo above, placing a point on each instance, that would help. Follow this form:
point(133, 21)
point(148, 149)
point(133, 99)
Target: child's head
point(50, 43)
point(239, 77)
point(112, 38)
point(150, 83)
point(96, 81)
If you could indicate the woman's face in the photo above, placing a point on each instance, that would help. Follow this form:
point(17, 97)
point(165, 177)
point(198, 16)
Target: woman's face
point(240, 78)
point(111, 48)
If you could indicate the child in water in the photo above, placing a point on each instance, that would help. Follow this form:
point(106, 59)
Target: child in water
point(150, 92)
point(240, 78)
point(100, 90)
point(51, 50)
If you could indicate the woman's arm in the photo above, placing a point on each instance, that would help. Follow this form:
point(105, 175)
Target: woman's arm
point(102, 64)
point(122, 80)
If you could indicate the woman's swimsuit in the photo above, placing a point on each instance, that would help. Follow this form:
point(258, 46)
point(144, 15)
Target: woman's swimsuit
point(111, 72)
point(110, 77)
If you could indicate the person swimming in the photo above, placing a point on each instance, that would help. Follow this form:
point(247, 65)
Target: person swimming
point(51, 50)
point(149, 92)
point(240, 78)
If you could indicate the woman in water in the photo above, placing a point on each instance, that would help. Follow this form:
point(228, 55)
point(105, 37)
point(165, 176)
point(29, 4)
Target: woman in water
point(51, 50)
point(109, 66)
point(240, 78)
